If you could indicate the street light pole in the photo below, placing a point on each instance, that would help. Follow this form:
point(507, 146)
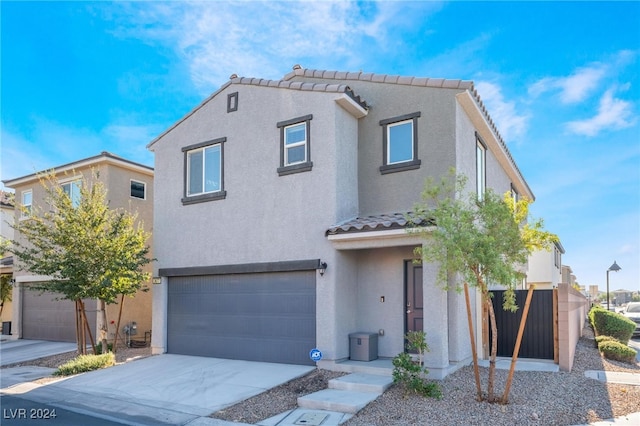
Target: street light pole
point(614, 268)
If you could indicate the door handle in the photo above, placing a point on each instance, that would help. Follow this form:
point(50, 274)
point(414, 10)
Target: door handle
point(408, 308)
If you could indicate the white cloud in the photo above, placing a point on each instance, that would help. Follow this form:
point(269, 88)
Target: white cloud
point(613, 113)
point(573, 88)
point(510, 123)
point(254, 39)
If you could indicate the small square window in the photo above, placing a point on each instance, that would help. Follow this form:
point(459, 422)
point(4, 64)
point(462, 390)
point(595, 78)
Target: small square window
point(204, 172)
point(232, 102)
point(400, 143)
point(295, 145)
point(138, 189)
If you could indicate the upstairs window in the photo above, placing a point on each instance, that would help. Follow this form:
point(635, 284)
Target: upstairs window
point(400, 143)
point(295, 152)
point(481, 168)
point(138, 189)
point(204, 171)
point(72, 189)
point(27, 201)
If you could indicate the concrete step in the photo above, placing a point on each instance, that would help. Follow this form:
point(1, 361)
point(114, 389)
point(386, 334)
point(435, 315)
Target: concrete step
point(337, 400)
point(360, 382)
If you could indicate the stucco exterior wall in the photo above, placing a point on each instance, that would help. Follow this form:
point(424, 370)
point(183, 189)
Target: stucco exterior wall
point(259, 220)
point(381, 274)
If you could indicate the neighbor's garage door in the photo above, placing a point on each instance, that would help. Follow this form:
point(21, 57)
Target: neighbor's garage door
point(44, 318)
point(268, 317)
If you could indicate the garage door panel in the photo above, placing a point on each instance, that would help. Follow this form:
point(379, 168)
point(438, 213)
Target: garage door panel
point(45, 318)
point(261, 317)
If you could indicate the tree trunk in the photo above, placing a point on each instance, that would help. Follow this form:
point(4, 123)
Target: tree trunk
point(103, 326)
point(494, 349)
point(516, 349)
point(473, 343)
point(79, 328)
point(115, 339)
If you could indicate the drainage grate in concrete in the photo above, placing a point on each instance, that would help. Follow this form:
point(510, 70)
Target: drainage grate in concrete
point(311, 419)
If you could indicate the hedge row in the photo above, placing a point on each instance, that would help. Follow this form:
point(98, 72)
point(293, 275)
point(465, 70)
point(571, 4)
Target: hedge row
point(613, 332)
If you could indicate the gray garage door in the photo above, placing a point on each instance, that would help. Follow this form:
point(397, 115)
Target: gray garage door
point(44, 318)
point(268, 317)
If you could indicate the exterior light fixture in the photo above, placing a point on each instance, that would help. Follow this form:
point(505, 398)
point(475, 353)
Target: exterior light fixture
point(322, 266)
point(156, 280)
point(614, 268)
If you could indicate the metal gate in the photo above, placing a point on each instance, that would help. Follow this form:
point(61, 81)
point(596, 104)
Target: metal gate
point(538, 338)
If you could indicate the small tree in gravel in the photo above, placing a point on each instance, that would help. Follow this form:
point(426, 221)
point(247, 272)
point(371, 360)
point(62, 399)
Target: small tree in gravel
point(88, 250)
point(482, 239)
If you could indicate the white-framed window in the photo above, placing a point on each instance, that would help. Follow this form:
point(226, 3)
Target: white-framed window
point(138, 189)
point(204, 171)
point(295, 145)
point(481, 168)
point(72, 189)
point(400, 143)
point(27, 203)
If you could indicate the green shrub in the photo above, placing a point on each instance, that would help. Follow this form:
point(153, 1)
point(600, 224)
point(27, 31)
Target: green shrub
point(612, 349)
point(99, 348)
point(410, 373)
point(607, 323)
point(601, 339)
point(85, 363)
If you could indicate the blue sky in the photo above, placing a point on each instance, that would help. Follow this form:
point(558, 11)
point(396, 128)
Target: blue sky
point(559, 79)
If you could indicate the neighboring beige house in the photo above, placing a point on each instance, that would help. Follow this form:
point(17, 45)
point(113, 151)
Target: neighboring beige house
point(545, 268)
point(6, 260)
point(129, 185)
point(567, 275)
point(622, 296)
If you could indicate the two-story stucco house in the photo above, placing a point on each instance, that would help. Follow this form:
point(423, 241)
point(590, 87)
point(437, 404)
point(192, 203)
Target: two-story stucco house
point(280, 218)
point(129, 186)
point(544, 268)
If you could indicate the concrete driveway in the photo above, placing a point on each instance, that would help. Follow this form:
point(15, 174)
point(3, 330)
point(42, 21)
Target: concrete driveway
point(12, 351)
point(162, 389)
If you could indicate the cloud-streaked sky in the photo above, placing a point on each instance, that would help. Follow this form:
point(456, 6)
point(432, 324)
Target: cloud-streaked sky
point(560, 79)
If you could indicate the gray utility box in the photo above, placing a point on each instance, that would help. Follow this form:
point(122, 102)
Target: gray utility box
point(363, 346)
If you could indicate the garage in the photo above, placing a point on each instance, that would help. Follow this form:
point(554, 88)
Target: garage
point(267, 316)
point(44, 318)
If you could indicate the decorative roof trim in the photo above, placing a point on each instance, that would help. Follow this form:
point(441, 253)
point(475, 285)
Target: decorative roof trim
point(104, 156)
point(378, 222)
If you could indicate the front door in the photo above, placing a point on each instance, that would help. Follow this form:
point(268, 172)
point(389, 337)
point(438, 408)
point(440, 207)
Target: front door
point(413, 296)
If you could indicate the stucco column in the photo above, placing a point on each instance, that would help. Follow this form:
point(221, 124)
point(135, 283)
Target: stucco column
point(459, 345)
point(159, 317)
point(436, 322)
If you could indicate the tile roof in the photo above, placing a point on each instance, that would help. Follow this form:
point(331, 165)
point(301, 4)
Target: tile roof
point(380, 78)
point(378, 223)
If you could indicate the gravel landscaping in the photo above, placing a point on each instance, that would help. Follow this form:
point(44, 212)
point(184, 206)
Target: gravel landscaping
point(536, 398)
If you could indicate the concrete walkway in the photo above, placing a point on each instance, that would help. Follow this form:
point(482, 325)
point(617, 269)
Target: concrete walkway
point(13, 351)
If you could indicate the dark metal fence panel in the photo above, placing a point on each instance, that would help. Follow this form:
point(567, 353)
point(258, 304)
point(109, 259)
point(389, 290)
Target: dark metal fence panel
point(537, 340)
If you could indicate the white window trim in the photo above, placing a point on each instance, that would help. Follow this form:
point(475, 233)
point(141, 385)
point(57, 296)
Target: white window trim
point(303, 142)
point(204, 168)
point(22, 194)
point(144, 185)
point(389, 142)
point(70, 182)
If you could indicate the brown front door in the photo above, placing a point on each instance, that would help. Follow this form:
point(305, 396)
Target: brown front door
point(413, 296)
